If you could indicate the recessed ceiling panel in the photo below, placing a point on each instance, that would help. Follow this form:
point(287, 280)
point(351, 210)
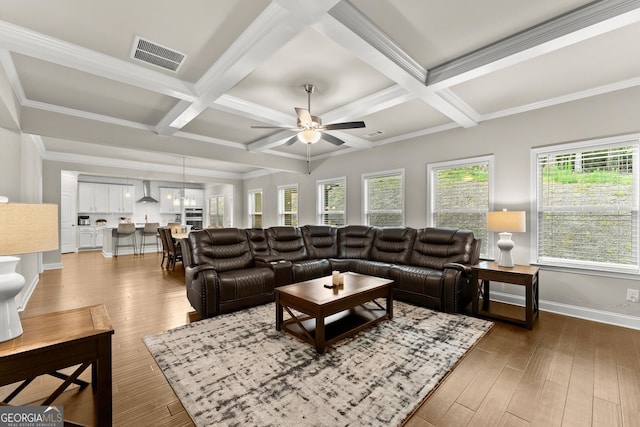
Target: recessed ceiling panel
point(339, 77)
point(56, 85)
point(402, 119)
point(227, 126)
point(434, 32)
point(202, 29)
point(602, 60)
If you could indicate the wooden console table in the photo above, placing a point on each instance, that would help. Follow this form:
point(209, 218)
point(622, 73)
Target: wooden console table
point(55, 341)
point(523, 275)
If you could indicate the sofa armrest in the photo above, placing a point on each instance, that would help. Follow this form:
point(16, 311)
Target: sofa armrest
point(191, 273)
point(282, 270)
point(264, 259)
point(203, 289)
point(456, 282)
point(460, 267)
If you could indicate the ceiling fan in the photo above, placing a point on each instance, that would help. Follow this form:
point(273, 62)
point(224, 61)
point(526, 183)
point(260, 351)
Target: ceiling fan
point(310, 128)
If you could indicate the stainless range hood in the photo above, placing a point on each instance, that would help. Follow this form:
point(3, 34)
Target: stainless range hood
point(146, 191)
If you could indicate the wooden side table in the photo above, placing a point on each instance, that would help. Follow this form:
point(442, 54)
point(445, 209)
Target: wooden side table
point(55, 341)
point(523, 275)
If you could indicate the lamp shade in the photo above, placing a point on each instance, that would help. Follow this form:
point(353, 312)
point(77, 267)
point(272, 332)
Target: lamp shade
point(507, 221)
point(309, 136)
point(28, 228)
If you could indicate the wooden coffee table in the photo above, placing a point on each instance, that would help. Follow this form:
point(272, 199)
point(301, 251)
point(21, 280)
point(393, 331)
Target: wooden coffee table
point(332, 314)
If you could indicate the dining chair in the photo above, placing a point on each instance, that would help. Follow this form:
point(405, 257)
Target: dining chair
point(174, 250)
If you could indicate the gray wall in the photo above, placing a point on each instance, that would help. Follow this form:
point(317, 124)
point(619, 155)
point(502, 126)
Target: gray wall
point(510, 140)
point(20, 178)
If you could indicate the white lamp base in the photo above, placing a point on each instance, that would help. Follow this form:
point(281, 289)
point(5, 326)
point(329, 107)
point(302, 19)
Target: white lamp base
point(505, 244)
point(11, 284)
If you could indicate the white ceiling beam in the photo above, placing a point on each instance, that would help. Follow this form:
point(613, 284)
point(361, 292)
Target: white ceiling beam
point(253, 111)
point(576, 26)
point(40, 46)
point(348, 27)
point(277, 25)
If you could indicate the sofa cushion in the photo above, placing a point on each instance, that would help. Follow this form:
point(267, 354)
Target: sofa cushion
point(355, 241)
point(245, 283)
point(287, 243)
point(370, 268)
point(223, 248)
point(310, 269)
point(320, 240)
point(435, 247)
point(418, 283)
point(393, 245)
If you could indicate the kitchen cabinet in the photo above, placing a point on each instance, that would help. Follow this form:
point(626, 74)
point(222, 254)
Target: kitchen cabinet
point(121, 198)
point(90, 236)
point(170, 200)
point(93, 197)
point(194, 198)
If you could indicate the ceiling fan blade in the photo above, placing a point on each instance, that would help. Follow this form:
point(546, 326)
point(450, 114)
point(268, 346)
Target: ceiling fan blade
point(332, 139)
point(304, 116)
point(291, 141)
point(345, 125)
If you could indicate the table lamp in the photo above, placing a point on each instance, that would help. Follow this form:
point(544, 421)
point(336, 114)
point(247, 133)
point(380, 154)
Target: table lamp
point(24, 228)
point(506, 222)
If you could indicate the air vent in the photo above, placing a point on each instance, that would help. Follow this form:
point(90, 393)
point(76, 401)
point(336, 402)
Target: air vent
point(373, 134)
point(155, 54)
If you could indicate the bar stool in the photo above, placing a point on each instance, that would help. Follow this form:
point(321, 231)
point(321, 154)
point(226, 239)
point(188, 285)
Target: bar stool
point(126, 230)
point(150, 229)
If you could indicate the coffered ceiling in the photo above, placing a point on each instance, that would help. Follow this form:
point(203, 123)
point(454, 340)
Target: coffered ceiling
point(407, 68)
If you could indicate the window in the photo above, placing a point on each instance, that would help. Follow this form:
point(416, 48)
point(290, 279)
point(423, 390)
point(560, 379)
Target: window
point(255, 208)
point(332, 202)
point(383, 198)
point(461, 196)
point(216, 211)
point(587, 204)
point(288, 205)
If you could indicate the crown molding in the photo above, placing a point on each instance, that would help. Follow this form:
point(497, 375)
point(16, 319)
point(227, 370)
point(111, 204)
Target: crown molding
point(82, 159)
point(578, 25)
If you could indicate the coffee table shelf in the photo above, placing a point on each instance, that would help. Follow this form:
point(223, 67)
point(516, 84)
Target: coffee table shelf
point(332, 314)
point(337, 326)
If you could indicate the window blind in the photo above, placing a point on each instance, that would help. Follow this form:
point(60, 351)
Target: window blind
point(587, 210)
point(332, 206)
point(255, 209)
point(384, 203)
point(460, 198)
point(289, 206)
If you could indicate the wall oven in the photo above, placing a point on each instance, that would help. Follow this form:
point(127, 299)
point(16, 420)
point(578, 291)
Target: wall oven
point(194, 218)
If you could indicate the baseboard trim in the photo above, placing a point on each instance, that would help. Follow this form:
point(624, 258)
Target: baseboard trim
point(53, 266)
point(23, 298)
point(601, 316)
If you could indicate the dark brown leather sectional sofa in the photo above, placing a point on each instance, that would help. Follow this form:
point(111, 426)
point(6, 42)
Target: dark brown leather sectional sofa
point(228, 269)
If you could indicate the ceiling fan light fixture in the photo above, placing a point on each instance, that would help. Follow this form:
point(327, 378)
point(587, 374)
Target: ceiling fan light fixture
point(309, 136)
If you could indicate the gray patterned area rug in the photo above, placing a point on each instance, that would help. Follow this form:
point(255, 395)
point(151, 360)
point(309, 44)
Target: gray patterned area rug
point(236, 369)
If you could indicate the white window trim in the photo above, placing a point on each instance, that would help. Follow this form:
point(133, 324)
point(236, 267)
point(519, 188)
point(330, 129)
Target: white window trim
point(582, 266)
point(369, 175)
point(470, 161)
point(281, 212)
point(250, 211)
point(319, 199)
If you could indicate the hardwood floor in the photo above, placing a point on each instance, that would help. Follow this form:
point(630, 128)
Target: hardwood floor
point(566, 372)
